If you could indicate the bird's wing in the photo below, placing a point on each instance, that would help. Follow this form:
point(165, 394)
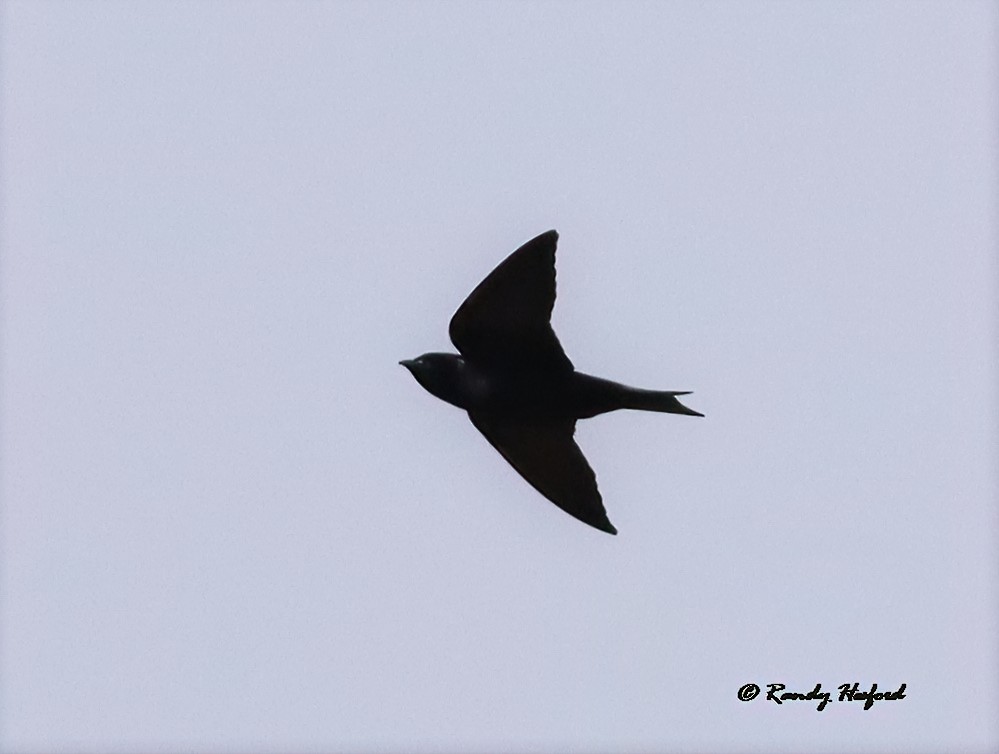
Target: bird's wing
point(506, 321)
point(544, 453)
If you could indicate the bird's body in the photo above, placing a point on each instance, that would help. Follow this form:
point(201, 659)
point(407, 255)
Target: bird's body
point(519, 388)
point(572, 395)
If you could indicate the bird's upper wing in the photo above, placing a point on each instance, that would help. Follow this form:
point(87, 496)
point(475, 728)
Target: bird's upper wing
point(544, 453)
point(506, 321)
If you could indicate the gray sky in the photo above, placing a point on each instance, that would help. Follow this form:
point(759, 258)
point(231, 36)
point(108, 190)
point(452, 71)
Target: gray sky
point(231, 522)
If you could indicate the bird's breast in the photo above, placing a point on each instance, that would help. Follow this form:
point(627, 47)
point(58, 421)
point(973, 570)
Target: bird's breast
point(513, 391)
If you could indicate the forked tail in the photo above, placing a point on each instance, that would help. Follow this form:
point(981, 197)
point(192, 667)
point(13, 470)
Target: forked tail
point(663, 401)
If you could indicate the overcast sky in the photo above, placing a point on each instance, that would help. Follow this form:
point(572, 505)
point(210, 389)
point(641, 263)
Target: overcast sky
point(231, 522)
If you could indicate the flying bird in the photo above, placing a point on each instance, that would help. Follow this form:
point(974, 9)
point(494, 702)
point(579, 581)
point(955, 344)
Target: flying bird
point(520, 389)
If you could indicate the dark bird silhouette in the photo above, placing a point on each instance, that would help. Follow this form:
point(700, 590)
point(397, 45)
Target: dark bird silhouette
point(520, 389)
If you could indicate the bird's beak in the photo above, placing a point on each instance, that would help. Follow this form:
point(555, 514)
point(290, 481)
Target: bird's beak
point(408, 363)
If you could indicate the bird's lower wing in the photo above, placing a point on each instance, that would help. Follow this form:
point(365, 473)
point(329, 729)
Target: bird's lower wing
point(544, 453)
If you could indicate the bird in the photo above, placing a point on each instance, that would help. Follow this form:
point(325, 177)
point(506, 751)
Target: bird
point(520, 389)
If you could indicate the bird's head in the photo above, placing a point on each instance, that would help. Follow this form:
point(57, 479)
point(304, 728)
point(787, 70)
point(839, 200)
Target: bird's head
point(440, 374)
